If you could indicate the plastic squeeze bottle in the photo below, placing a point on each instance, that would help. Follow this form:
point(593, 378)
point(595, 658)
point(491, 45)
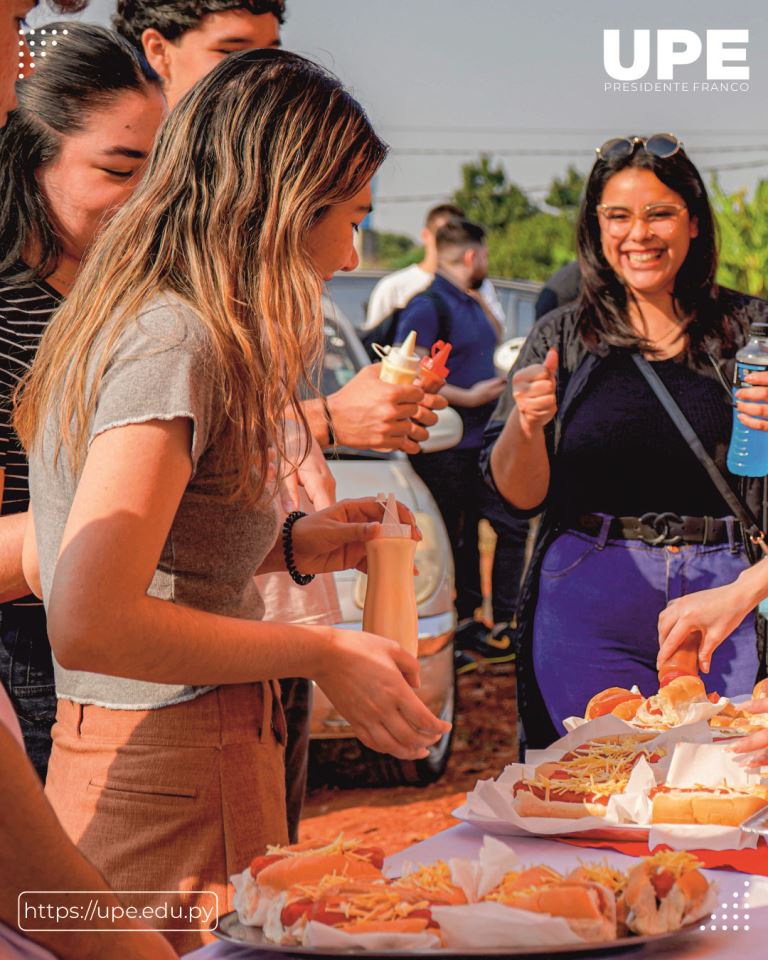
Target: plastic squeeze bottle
point(390, 595)
point(400, 364)
point(684, 662)
point(748, 451)
point(433, 369)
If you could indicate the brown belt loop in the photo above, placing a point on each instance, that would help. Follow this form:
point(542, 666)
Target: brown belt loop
point(706, 532)
point(79, 717)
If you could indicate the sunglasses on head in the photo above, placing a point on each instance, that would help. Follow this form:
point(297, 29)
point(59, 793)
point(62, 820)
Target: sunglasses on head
point(661, 145)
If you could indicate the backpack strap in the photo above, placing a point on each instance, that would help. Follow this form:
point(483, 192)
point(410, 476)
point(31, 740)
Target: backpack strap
point(443, 314)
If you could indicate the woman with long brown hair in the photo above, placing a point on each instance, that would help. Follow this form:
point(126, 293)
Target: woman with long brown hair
point(150, 417)
point(631, 519)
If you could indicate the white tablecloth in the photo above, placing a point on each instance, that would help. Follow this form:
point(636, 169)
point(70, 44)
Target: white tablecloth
point(728, 944)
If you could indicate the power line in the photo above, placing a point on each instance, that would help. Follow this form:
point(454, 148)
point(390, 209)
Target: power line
point(548, 152)
point(555, 132)
point(431, 197)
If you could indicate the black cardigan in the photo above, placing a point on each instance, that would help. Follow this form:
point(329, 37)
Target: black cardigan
point(577, 365)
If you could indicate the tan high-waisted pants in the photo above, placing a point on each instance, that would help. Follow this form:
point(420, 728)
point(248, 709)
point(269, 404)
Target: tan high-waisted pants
point(177, 798)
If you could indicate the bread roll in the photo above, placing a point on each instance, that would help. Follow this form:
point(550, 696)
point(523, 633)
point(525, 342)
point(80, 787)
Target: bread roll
point(725, 808)
point(604, 702)
point(311, 869)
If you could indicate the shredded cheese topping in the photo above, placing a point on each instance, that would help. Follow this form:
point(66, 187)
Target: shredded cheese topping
point(436, 877)
point(591, 776)
point(339, 845)
point(507, 892)
point(600, 872)
point(676, 862)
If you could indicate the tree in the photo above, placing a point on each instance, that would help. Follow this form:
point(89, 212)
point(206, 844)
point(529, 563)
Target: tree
point(524, 241)
point(488, 198)
point(532, 249)
point(743, 227)
point(566, 194)
point(394, 250)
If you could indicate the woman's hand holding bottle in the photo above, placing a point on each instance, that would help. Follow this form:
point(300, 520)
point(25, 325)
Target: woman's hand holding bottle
point(534, 390)
point(370, 681)
point(335, 538)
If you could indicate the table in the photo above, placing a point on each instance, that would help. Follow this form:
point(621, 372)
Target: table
point(465, 841)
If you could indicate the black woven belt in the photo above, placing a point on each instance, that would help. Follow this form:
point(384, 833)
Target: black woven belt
point(659, 529)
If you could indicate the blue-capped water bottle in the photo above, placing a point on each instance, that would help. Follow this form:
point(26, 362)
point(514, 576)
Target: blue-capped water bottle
point(748, 451)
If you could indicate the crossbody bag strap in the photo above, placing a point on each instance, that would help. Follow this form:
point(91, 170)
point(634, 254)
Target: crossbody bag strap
point(735, 501)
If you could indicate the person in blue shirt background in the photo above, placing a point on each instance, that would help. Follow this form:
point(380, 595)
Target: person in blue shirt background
point(449, 310)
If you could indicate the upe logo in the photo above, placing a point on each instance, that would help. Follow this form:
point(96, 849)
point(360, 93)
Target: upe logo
point(678, 48)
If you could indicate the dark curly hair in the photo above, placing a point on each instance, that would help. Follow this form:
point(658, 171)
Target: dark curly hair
point(88, 71)
point(602, 306)
point(173, 18)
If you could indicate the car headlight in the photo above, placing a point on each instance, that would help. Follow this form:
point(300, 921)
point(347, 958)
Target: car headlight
point(430, 562)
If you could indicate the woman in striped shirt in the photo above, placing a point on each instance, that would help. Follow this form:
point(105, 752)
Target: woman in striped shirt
point(70, 155)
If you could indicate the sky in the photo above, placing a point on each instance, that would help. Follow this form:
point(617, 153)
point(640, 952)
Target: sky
point(447, 80)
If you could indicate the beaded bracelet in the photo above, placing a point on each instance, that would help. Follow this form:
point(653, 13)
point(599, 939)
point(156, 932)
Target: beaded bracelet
point(301, 578)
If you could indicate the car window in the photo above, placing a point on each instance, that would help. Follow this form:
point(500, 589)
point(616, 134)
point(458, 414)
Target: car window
point(339, 365)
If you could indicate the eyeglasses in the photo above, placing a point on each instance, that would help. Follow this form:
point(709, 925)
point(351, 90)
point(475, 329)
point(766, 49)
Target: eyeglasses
point(660, 218)
point(661, 145)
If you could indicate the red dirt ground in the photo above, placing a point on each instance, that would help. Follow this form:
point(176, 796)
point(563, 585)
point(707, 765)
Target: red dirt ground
point(485, 740)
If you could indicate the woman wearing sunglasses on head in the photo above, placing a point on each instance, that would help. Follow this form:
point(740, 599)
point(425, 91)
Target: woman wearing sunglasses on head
point(631, 518)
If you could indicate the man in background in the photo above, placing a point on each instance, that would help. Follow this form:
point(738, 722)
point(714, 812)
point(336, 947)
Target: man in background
point(449, 309)
point(395, 290)
point(183, 40)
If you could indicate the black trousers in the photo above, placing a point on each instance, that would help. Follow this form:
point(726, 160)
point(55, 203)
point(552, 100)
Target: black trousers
point(464, 498)
point(26, 672)
point(296, 695)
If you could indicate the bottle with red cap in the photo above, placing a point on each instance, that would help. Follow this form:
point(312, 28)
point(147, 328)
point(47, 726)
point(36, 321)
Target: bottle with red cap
point(433, 369)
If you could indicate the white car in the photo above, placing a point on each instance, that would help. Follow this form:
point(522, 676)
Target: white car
point(334, 751)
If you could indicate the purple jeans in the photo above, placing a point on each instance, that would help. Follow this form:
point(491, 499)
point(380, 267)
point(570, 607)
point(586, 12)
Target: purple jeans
point(595, 621)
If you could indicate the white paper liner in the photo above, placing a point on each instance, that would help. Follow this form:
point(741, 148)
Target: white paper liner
point(696, 713)
point(477, 877)
point(252, 908)
point(610, 725)
point(321, 935)
point(487, 925)
point(492, 801)
point(706, 765)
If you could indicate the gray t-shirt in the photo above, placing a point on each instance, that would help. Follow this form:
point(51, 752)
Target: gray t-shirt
point(161, 371)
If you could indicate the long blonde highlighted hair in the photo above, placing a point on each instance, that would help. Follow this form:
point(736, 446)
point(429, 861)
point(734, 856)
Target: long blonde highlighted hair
point(244, 166)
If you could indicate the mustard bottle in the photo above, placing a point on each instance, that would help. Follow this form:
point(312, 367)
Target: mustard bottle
point(400, 364)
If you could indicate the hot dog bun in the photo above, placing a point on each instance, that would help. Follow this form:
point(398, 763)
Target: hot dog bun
point(627, 709)
point(607, 700)
point(683, 690)
point(664, 892)
point(312, 868)
point(724, 806)
point(529, 805)
point(434, 884)
point(761, 690)
point(406, 925)
point(589, 908)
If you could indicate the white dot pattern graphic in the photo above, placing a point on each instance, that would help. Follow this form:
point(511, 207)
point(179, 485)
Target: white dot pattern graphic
point(740, 914)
